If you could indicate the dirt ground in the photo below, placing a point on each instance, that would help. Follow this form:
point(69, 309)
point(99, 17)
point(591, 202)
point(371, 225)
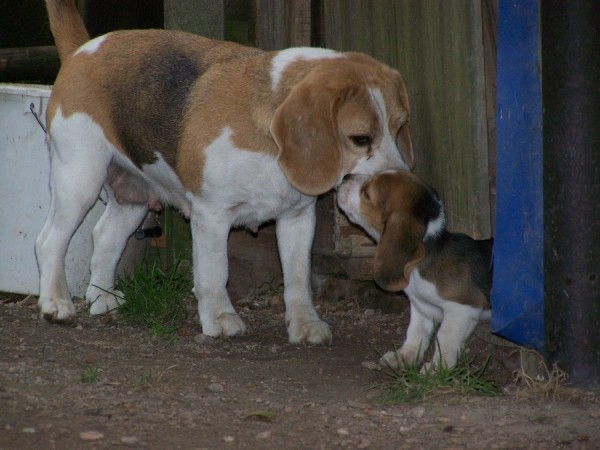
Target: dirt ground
point(100, 383)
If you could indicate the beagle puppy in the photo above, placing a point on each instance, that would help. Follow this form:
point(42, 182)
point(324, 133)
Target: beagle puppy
point(229, 135)
point(446, 276)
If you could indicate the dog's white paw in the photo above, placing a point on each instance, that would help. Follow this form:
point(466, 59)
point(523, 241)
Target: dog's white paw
point(105, 302)
point(397, 360)
point(225, 324)
point(313, 331)
point(56, 309)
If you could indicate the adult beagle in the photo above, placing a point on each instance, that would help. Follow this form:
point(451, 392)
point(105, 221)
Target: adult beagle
point(446, 276)
point(227, 134)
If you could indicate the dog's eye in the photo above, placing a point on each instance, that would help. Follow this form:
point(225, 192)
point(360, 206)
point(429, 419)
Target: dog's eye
point(361, 140)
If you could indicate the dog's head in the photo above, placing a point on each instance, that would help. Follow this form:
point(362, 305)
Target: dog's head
point(348, 115)
point(399, 211)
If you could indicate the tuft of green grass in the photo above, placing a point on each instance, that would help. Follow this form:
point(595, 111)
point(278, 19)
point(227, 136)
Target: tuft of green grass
point(90, 374)
point(154, 298)
point(411, 384)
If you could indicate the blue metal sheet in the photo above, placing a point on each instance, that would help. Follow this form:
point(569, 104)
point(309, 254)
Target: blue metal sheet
point(518, 288)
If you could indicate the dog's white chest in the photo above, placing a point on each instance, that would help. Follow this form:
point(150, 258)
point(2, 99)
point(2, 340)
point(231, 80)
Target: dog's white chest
point(250, 185)
point(424, 296)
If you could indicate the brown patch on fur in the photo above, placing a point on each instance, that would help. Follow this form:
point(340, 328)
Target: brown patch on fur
point(308, 132)
point(125, 76)
point(454, 282)
point(400, 249)
point(174, 93)
point(67, 27)
point(396, 204)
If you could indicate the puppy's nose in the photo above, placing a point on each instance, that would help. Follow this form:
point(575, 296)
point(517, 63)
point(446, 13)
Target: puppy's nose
point(348, 177)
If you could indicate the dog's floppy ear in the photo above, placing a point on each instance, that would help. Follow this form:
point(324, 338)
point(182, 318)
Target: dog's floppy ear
point(399, 250)
point(404, 144)
point(305, 130)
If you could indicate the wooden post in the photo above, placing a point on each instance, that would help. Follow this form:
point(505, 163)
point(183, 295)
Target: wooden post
point(281, 24)
point(204, 17)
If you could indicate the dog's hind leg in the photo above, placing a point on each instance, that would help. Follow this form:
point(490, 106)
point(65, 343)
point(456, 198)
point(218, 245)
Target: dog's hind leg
point(110, 236)
point(77, 173)
point(458, 324)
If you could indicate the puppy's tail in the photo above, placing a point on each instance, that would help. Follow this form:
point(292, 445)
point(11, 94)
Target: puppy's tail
point(67, 27)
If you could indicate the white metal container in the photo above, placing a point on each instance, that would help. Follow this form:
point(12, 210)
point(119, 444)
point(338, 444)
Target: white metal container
point(25, 196)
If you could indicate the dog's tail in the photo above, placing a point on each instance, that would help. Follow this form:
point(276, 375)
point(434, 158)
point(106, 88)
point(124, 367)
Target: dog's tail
point(67, 27)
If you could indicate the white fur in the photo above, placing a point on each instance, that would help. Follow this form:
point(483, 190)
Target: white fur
point(167, 185)
point(285, 57)
point(79, 157)
point(436, 226)
point(91, 47)
point(348, 197)
point(388, 155)
point(232, 196)
point(427, 310)
point(239, 188)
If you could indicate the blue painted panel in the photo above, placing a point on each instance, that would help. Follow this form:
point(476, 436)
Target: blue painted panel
point(518, 288)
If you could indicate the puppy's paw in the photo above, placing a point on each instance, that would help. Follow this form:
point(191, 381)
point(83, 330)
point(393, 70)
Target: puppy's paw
point(392, 360)
point(58, 310)
point(398, 360)
point(313, 331)
point(105, 302)
point(225, 324)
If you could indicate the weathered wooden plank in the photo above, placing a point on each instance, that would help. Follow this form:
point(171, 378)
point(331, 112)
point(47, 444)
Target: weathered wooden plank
point(437, 46)
point(29, 63)
point(281, 24)
point(204, 17)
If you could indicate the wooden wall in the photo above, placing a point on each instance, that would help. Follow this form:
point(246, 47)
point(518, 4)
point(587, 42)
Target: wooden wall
point(440, 48)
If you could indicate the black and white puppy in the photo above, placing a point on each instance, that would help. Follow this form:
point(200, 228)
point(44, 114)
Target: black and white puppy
point(445, 275)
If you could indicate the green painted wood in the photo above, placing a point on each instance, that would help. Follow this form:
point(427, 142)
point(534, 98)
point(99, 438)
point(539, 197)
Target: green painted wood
point(438, 48)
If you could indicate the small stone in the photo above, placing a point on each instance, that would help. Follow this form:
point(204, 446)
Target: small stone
point(364, 443)
point(203, 339)
point(343, 431)
point(264, 434)
point(228, 439)
point(129, 440)
point(215, 387)
point(29, 430)
point(369, 312)
point(418, 412)
point(370, 365)
point(91, 435)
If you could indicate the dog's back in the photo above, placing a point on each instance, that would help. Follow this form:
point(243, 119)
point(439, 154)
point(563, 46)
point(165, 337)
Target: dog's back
point(460, 268)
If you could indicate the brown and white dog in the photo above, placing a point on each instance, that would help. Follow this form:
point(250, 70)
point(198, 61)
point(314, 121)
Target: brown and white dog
point(229, 135)
point(446, 276)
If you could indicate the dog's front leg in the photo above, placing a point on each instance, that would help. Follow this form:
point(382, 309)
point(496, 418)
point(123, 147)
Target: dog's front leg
point(210, 230)
point(295, 232)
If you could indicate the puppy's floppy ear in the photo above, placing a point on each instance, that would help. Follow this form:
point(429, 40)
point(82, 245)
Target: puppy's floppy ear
point(305, 130)
point(399, 250)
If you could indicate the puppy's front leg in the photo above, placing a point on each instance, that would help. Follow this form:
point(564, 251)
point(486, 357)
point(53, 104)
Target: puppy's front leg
point(417, 341)
point(295, 234)
point(210, 230)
